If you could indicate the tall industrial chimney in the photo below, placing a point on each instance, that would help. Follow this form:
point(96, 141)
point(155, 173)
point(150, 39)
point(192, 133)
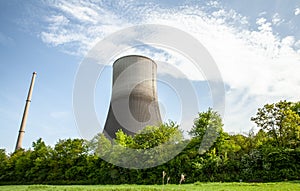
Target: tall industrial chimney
point(134, 102)
point(24, 119)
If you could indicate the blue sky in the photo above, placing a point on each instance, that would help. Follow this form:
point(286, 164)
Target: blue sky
point(255, 44)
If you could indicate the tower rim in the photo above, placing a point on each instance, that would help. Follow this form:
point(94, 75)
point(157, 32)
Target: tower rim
point(134, 55)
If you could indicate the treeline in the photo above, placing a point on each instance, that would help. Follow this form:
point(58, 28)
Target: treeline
point(271, 154)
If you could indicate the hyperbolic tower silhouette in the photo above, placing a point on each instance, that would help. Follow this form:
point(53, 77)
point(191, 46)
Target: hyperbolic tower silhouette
point(134, 102)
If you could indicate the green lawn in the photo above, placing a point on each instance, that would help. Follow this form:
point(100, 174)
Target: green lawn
point(278, 186)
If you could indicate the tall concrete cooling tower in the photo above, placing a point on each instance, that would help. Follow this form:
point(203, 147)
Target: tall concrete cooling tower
point(134, 102)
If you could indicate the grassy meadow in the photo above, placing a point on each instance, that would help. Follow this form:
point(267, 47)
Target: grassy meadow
point(277, 186)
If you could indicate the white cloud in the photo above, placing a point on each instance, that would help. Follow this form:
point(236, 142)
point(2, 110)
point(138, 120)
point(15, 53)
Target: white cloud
point(297, 11)
point(213, 3)
point(297, 45)
point(257, 65)
point(83, 12)
point(263, 24)
point(57, 20)
point(276, 19)
point(262, 13)
point(79, 25)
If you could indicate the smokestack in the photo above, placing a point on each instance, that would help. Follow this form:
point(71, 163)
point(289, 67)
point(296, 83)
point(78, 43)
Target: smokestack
point(134, 102)
point(24, 119)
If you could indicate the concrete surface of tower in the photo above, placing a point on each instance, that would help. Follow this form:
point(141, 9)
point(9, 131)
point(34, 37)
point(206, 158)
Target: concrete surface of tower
point(134, 102)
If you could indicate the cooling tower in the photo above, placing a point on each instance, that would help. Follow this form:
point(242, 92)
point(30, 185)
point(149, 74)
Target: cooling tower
point(134, 102)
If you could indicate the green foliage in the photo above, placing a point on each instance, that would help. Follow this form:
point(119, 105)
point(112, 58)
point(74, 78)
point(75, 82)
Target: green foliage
point(296, 107)
point(99, 145)
point(159, 142)
point(153, 136)
point(3, 161)
point(123, 140)
point(208, 130)
point(271, 154)
point(281, 122)
point(206, 121)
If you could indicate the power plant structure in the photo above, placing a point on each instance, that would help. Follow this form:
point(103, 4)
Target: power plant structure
point(25, 114)
point(134, 102)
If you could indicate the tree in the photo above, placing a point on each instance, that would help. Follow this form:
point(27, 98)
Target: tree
point(70, 148)
point(41, 157)
point(3, 163)
point(296, 107)
point(281, 123)
point(152, 136)
point(123, 139)
point(68, 159)
point(18, 165)
point(233, 145)
point(152, 145)
point(208, 130)
point(99, 145)
point(205, 121)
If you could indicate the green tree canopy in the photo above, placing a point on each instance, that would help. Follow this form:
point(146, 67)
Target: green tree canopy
point(281, 122)
point(207, 131)
point(206, 121)
point(99, 145)
point(153, 136)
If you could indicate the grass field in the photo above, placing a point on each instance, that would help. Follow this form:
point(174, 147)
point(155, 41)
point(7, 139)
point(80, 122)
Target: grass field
point(278, 186)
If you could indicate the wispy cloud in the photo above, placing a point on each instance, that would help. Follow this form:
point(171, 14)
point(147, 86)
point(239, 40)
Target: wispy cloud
point(257, 64)
point(76, 26)
point(297, 11)
point(276, 19)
